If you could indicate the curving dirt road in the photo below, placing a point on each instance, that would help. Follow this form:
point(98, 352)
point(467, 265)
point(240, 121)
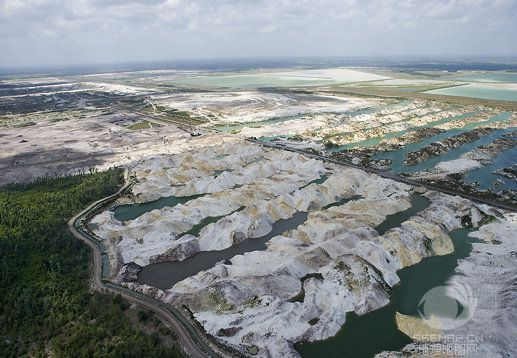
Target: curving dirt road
point(190, 347)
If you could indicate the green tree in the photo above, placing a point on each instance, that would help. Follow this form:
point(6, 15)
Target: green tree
point(45, 304)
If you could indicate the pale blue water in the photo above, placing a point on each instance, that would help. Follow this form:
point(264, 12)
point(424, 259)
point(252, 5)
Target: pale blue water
point(397, 156)
point(496, 76)
point(478, 91)
point(377, 140)
point(450, 155)
point(485, 177)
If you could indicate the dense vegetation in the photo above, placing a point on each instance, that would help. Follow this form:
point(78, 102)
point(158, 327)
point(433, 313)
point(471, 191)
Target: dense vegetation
point(46, 307)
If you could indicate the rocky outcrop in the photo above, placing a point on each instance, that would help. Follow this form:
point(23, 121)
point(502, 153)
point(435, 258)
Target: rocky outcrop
point(381, 123)
point(472, 159)
point(185, 246)
point(449, 174)
point(363, 155)
point(257, 219)
point(486, 152)
point(412, 136)
point(129, 273)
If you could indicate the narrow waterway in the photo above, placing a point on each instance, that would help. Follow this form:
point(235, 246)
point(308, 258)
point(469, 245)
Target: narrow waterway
point(396, 134)
point(132, 211)
point(485, 175)
point(418, 203)
point(397, 157)
point(375, 332)
point(166, 274)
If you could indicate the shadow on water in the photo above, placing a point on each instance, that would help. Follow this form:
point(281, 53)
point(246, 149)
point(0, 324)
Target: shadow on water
point(342, 202)
point(375, 332)
point(165, 274)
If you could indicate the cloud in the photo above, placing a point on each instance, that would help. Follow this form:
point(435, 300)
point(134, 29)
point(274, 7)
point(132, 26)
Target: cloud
point(61, 31)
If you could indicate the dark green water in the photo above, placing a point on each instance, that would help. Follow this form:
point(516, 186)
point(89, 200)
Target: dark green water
point(342, 202)
point(132, 211)
point(165, 274)
point(374, 332)
point(418, 204)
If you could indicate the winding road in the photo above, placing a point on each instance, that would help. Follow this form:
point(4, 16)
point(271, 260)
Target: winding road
point(191, 343)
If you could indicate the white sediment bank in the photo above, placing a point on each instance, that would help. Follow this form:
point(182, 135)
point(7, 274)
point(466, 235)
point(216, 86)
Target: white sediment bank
point(489, 273)
point(302, 286)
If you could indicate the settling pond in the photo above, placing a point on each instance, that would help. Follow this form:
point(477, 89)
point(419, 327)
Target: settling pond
point(361, 336)
point(164, 275)
point(375, 332)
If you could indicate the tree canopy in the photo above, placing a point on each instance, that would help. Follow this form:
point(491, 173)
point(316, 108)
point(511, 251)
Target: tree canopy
point(46, 307)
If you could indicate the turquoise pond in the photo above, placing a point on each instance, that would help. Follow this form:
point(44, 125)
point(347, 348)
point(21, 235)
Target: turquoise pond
point(484, 175)
point(478, 91)
point(397, 157)
point(496, 76)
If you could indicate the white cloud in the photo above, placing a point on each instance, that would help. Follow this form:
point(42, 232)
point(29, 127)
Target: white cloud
point(59, 31)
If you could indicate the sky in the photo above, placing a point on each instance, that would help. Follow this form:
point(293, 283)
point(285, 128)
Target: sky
point(58, 32)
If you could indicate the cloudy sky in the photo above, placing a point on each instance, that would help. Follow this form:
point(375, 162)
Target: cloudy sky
point(52, 32)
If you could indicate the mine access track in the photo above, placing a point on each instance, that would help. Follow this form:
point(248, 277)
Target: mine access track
point(190, 341)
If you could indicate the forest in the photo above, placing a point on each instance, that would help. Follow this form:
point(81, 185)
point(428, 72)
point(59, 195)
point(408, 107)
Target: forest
point(46, 305)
